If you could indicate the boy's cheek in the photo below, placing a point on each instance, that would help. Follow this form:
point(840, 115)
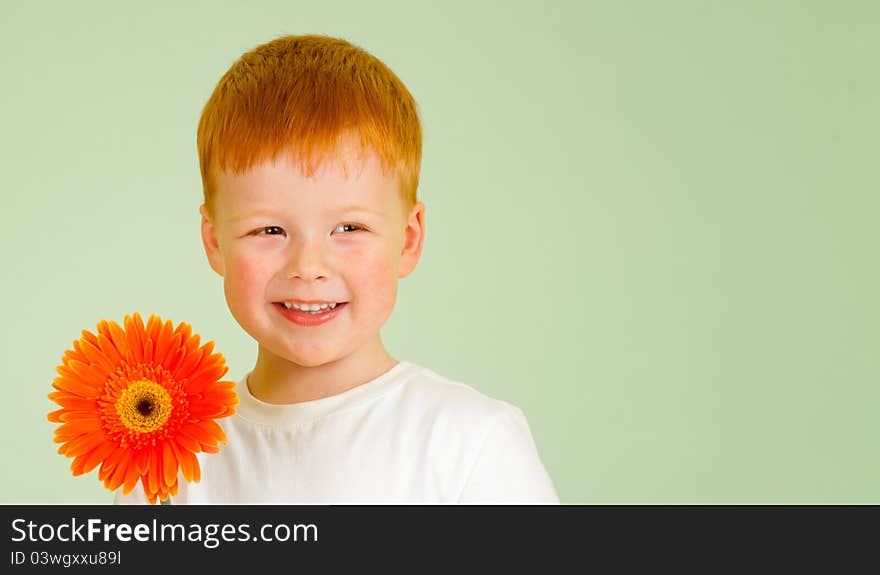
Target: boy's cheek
point(374, 266)
point(243, 274)
point(377, 276)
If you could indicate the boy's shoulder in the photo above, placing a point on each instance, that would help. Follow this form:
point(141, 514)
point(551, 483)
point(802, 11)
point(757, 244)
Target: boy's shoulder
point(436, 396)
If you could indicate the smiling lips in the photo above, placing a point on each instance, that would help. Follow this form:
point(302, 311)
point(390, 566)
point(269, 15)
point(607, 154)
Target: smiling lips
point(310, 314)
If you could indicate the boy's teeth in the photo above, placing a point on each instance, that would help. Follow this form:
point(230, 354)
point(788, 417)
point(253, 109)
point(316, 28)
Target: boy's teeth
point(309, 307)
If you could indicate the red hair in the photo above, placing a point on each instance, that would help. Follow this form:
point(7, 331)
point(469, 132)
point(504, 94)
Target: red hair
point(304, 94)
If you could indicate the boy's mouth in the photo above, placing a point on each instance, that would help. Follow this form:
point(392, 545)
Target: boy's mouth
point(310, 314)
point(313, 308)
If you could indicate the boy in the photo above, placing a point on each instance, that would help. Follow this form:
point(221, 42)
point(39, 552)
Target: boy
point(310, 151)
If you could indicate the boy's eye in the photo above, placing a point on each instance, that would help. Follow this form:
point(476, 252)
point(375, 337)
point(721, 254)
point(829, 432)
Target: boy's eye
point(347, 228)
point(270, 231)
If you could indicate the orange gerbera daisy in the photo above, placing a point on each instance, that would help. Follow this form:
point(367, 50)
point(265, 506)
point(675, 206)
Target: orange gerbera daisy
point(141, 402)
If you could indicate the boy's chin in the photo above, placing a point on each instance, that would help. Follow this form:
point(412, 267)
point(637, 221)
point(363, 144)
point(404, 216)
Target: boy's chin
point(308, 362)
point(300, 359)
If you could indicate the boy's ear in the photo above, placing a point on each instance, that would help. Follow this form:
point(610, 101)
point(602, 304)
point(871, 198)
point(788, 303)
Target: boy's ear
point(209, 240)
point(414, 237)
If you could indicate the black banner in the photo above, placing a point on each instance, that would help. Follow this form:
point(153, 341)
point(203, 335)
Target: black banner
point(126, 539)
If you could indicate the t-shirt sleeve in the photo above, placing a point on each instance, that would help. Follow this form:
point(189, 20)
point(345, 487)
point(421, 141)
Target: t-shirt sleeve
point(508, 469)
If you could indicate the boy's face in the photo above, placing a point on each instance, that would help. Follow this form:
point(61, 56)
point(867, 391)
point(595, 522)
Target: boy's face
point(278, 238)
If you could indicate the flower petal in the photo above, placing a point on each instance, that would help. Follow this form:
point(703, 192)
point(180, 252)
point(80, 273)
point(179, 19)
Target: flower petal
point(197, 471)
point(138, 324)
point(110, 464)
point(191, 359)
point(118, 476)
point(142, 460)
point(169, 464)
point(97, 357)
point(205, 432)
point(185, 330)
point(221, 394)
point(75, 402)
point(205, 410)
point(175, 357)
point(148, 351)
point(109, 350)
point(135, 343)
point(80, 427)
point(120, 341)
point(89, 337)
point(75, 384)
point(154, 326)
point(155, 469)
point(81, 445)
point(70, 415)
point(188, 443)
point(183, 459)
point(87, 462)
point(163, 342)
point(73, 354)
point(205, 376)
point(151, 497)
point(88, 374)
point(131, 479)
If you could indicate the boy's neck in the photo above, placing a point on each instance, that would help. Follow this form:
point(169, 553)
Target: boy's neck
point(276, 380)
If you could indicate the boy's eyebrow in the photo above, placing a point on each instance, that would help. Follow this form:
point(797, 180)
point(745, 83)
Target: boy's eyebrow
point(358, 209)
point(249, 215)
point(352, 208)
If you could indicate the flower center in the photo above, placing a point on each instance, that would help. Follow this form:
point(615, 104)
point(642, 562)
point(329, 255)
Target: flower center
point(144, 406)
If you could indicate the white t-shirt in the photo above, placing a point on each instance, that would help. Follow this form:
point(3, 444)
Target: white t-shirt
point(409, 436)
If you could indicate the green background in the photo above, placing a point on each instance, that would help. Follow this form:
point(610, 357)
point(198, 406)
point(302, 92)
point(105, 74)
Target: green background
point(651, 225)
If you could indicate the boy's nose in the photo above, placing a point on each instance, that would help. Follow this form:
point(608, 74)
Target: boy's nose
point(307, 262)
